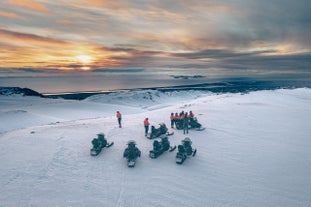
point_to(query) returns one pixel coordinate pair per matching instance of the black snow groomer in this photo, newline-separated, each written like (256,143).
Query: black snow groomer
(98,144)
(131,153)
(185,150)
(160,147)
(160,132)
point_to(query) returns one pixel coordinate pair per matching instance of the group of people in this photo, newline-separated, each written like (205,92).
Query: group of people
(181,120)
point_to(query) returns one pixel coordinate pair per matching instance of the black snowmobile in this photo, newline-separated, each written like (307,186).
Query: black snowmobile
(185,150)
(131,153)
(160,147)
(98,144)
(193,124)
(160,132)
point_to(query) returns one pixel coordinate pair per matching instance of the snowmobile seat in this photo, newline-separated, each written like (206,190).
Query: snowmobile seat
(165,143)
(156,145)
(163,128)
(95,143)
(181,149)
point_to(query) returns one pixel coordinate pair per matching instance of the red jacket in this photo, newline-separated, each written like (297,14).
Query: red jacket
(146,122)
(119,115)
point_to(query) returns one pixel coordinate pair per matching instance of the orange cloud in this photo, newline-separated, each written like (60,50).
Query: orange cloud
(30,4)
(102,3)
(64,22)
(10,15)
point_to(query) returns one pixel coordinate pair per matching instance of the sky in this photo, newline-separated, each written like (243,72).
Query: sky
(248,37)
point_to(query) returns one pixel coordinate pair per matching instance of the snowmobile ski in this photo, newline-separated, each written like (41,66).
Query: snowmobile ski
(179,160)
(109,145)
(152,154)
(131,163)
(200,129)
(172,148)
(94,152)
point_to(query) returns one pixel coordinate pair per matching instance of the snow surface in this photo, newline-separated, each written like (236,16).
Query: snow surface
(255,151)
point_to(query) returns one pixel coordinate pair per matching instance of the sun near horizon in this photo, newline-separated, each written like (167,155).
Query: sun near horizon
(85,59)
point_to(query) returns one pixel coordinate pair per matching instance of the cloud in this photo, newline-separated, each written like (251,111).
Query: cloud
(29,38)
(10,15)
(198,34)
(30,4)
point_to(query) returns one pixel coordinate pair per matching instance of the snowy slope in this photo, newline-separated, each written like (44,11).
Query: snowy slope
(254,152)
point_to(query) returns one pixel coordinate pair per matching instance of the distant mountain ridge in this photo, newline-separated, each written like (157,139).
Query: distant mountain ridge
(8,91)
(232,86)
(215,87)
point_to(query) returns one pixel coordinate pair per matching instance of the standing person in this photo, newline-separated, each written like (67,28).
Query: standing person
(146,124)
(186,123)
(119,117)
(172,118)
(177,121)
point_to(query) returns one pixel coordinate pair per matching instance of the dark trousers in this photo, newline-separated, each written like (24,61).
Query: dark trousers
(186,128)
(172,123)
(119,121)
(146,129)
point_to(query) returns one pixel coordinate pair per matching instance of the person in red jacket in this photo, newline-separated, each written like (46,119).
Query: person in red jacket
(119,117)
(146,124)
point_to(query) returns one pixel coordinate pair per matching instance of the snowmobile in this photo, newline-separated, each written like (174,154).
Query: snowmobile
(98,144)
(179,123)
(193,124)
(160,132)
(131,153)
(160,147)
(185,150)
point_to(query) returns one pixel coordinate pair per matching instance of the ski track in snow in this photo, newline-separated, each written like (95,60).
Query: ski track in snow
(255,151)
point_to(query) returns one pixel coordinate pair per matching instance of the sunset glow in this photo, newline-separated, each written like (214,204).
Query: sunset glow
(226,35)
(84,58)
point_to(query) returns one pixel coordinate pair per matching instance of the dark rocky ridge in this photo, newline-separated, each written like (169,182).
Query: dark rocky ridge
(7,91)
